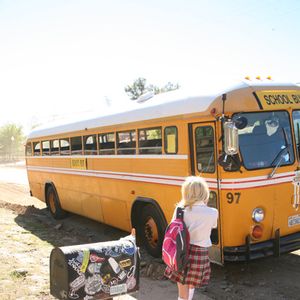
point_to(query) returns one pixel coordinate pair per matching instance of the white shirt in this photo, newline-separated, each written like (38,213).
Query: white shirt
(200,219)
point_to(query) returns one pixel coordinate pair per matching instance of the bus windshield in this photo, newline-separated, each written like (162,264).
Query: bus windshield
(266,140)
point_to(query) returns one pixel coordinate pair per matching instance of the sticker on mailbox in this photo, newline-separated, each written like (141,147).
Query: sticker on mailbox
(118,289)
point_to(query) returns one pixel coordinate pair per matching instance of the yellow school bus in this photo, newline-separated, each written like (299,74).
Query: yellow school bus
(125,169)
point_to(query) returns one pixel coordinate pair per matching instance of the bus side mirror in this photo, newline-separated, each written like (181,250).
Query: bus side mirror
(231,138)
(230,160)
(240,122)
(230,163)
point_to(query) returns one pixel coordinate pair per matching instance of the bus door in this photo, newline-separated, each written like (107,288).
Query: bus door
(203,152)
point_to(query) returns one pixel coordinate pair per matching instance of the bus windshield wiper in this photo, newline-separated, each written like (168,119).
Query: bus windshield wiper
(280,154)
(279,161)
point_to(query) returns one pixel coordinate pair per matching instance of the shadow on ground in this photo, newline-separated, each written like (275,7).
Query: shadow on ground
(72,230)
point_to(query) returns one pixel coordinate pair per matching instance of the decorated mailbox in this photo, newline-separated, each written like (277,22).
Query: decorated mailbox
(95,271)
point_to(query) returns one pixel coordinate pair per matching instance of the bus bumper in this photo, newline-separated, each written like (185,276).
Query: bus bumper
(273,247)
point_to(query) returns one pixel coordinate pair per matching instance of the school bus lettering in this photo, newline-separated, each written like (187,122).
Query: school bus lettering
(296,98)
(78,163)
(233,198)
(278,99)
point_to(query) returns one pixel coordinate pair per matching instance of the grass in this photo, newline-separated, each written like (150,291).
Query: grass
(23,271)
(17,274)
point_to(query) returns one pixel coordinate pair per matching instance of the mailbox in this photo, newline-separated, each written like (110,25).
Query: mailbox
(95,271)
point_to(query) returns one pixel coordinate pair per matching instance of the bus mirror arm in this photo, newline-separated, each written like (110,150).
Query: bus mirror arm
(224,97)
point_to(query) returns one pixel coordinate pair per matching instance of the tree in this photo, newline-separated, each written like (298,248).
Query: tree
(140,87)
(137,89)
(11,141)
(169,87)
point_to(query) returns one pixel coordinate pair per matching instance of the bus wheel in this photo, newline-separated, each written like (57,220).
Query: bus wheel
(53,204)
(151,230)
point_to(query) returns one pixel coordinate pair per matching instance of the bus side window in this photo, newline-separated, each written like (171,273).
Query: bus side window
(205,149)
(90,144)
(150,141)
(76,145)
(64,146)
(107,144)
(171,140)
(28,151)
(126,142)
(54,147)
(45,148)
(36,148)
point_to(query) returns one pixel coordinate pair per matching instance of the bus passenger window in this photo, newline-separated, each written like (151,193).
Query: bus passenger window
(46,148)
(90,145)
(205,149)
(150,141)
(36,149)
(64,146)
(171,140)
(126,142)
(76,145)
(107,144)
(28,150)
(54,147)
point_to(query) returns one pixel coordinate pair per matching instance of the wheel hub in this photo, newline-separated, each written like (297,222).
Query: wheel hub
(151,232)
(52,203)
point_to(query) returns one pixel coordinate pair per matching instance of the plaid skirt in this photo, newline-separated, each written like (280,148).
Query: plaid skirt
(198,269)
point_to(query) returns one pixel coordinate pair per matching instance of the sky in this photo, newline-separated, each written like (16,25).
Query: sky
(61,58)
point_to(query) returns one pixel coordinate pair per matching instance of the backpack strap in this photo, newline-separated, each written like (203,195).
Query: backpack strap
(179,213)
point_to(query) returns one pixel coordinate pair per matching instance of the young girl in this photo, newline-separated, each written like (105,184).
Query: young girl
(199,219)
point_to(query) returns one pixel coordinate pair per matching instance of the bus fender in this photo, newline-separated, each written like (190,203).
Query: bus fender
(47,184)
(137,206)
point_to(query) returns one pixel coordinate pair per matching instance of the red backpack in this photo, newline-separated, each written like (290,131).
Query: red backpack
(175,247)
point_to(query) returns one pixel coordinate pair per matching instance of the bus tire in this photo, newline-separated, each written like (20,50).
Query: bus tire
(151,230)
(53,204)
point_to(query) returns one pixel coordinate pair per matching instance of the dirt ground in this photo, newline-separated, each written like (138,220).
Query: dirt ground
(28,234)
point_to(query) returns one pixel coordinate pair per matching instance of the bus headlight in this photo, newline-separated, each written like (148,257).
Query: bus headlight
(258,214)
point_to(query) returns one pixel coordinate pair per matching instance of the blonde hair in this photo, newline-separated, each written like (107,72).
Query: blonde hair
(194,189)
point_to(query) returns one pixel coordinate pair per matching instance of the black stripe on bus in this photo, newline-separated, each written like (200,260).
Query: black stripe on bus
(258,101)
(191,144)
